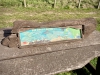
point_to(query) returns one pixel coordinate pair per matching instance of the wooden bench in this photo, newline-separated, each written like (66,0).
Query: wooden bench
(49,60)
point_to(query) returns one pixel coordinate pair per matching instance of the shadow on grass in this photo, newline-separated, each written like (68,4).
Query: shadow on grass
(82,71)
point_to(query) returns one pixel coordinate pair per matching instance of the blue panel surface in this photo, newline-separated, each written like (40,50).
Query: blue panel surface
(45,35)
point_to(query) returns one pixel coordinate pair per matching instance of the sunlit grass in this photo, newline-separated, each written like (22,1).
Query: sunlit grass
(9,15)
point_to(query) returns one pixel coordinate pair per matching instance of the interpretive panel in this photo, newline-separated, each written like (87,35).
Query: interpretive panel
(45,35)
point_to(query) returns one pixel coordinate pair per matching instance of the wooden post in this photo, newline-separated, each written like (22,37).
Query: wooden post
(61,3)
(90,68)
(24,3)
(99,5)
(55,1)
(98,67)
(79,4)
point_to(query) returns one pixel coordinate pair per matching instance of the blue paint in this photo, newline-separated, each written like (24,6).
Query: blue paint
(48,35)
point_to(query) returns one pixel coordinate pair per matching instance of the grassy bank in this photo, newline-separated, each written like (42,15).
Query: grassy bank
(51,3)
(9,14)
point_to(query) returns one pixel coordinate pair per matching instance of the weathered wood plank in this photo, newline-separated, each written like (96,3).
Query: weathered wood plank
(87,26)
(49,59)
(6,53)
(49,63)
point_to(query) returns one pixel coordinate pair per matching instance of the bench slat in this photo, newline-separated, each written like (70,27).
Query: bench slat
(6,53)
(48,59)
(49,63)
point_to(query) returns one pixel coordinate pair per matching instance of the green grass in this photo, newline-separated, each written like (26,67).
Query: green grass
(49,3)
(9,14)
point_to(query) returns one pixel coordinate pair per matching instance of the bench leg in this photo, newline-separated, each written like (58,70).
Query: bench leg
(90,68)
(98,67)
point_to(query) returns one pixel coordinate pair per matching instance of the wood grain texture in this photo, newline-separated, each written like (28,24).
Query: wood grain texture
(49,63)
(6,53)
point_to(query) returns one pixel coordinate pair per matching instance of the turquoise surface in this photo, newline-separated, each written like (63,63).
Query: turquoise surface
(45,35)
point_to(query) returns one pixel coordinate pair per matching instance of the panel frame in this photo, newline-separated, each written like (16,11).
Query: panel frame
(55,42)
